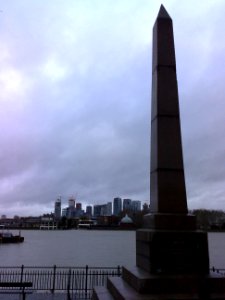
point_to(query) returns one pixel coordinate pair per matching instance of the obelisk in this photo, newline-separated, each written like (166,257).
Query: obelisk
(168,194)
(171,242)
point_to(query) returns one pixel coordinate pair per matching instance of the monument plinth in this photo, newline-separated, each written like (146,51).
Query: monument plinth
(172,260)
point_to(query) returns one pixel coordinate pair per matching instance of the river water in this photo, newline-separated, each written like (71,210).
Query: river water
(96,248)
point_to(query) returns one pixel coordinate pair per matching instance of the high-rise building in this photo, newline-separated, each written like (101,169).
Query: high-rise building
(65,212)
(89,210)
(109,209)
(127,205)
(136,205)
(97,210)
(71,202)
(57,212)
(79,212)
(117,206)
(78,206)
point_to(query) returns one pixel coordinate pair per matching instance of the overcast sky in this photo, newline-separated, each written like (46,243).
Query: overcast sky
(75,97)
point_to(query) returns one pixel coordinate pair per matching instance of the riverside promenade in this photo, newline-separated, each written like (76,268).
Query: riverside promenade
(53,283)
(39,296)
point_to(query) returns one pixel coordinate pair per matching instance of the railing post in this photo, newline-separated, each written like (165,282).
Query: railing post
(118,271)
(21,274)
(86,281)
(68,285)
(53,279)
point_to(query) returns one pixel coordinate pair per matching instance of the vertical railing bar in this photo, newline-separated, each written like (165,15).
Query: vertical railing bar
(68,285)
(21,275)
(86,279)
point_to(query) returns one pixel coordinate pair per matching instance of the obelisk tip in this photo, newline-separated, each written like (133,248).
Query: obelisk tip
(163,14)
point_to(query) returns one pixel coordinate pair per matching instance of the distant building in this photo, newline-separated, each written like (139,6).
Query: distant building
(126,223)
(57,212)
(78,206)
(136,205)
(103,209)
(117,206)
(89,211)
(109,209)
(97,210)
(71,202)
(79,211)
(145,207)
(71,212)
(65,212)
(127,205)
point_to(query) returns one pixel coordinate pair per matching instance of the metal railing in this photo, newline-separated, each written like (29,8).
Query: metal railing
(219,271)
(73,280)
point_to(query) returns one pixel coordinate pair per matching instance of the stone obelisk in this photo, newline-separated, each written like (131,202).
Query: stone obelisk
(168,194)
(171,244)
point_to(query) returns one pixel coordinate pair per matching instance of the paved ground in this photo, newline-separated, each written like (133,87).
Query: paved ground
(38,296)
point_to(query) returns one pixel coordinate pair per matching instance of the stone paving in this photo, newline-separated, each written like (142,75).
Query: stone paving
(38,296)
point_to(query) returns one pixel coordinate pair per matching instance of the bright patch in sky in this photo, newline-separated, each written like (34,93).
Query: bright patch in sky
(54,70)
(12,83)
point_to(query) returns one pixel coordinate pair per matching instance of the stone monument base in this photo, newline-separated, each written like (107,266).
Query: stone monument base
(137,284)
(170,221)
(172,252)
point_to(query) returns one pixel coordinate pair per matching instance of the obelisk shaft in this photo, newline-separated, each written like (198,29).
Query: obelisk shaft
(169,243)
(168,193)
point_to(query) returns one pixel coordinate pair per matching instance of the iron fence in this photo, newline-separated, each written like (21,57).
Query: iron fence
(219,271)
(73,280)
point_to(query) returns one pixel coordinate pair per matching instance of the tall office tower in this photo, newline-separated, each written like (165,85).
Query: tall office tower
(109,209)
(136,205)
(65,212)
(103,211)
(71,202)
(97,210)
(127,204)
(89,210)
(117,206)
(57,209)
(78,206)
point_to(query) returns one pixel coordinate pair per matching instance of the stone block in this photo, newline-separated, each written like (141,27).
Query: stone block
(163,39)
(170,221)
(168,193)
(166,150)
(165,101)
(101,293)
(120,290)
(173,252)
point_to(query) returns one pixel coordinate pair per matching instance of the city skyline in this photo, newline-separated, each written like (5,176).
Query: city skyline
(75,101)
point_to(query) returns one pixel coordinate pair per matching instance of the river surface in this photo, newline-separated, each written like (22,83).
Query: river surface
(96,248)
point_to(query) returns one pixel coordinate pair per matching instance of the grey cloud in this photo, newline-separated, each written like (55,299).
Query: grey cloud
(82,124)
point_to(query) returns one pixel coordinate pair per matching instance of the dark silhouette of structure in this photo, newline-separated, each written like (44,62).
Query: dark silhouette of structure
(172,260)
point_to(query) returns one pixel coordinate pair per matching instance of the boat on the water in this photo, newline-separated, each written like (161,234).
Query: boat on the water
(8,237)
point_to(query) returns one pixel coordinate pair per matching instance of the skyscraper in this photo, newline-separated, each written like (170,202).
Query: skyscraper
(136,205)
(89,210)
(71,208)
(109,209)
(127,205)
(117,206)
(71,202)
(57,209)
